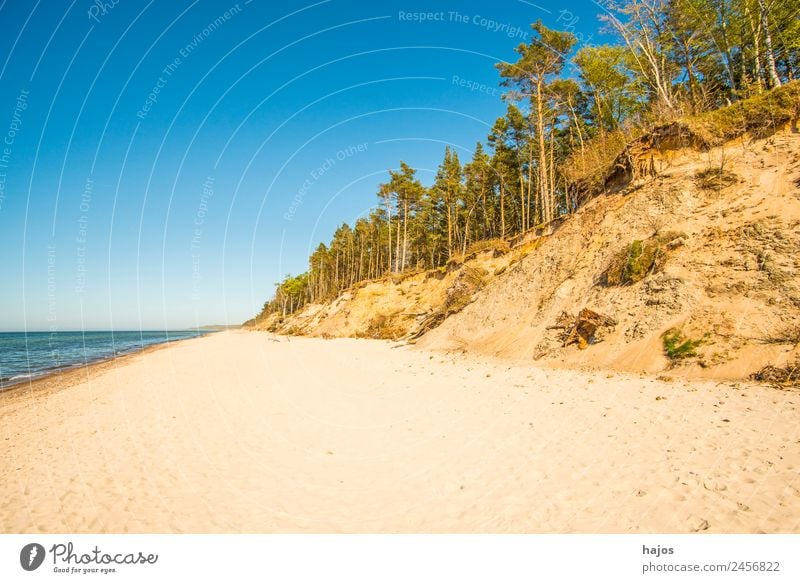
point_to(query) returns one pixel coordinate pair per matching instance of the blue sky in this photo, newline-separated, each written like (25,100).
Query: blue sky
(163,164)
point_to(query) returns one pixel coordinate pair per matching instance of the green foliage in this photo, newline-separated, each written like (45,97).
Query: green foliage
(290,295)
(678,347)
(545,55)
(639,259)
(632,264)
(613,92)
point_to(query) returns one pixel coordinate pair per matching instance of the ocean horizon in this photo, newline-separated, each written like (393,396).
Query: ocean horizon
(25,356)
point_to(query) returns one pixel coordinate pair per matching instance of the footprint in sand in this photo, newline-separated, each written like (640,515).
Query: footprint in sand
(714,486)
(697,524)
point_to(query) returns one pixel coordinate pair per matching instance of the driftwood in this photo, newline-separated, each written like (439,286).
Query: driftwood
(788,376)
(563,322)
(430,322)
(584,330)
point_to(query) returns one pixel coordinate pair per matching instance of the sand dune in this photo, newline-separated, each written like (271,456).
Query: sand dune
(245,432)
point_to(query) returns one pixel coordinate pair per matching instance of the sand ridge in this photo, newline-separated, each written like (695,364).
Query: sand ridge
(248,432)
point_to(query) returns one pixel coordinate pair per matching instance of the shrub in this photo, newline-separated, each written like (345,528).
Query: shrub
(715,178)
(639,259)
(632,263)
(677,346)
(466,284)
(385,327)
(787,334)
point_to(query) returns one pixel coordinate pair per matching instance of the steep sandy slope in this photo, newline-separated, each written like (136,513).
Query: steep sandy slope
(728,273)
(400,306)
(722,228)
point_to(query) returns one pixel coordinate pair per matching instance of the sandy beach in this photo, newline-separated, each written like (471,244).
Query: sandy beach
(247,432)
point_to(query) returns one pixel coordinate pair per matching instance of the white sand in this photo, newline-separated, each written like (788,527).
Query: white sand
(240,432)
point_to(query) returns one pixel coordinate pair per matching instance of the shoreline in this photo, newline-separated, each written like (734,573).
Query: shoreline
(58,380)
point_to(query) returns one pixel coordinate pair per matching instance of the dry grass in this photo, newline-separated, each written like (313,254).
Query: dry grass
(398,278)
(715,178)
(497,246)
(385,327)
(459,295)
(588,167)
(760,116)
(786,334)
(782,377)
(465,286)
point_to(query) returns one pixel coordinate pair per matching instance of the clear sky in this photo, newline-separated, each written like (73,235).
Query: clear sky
(163,164)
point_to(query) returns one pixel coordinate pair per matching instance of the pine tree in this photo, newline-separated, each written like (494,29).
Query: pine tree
(539,60)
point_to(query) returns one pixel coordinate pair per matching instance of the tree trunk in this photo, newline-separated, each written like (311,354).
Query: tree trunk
(552,172)
(726,50)
(756,32)
(770,56)
(502,211)
(449,228)
(486,231)
(691,76)
(466,230)
(597,103)
(543,181)
(641,44)
(530,183)
(522,202)
(405,233)
(389,226)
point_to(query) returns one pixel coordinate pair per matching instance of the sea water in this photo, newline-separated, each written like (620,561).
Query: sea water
(28,355)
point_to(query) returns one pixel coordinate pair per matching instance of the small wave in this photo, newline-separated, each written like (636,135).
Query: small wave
(8,382)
